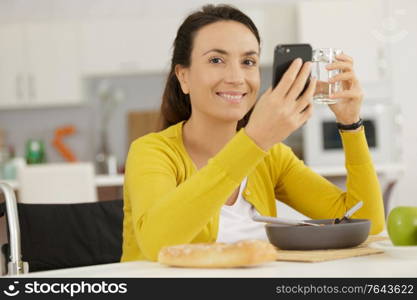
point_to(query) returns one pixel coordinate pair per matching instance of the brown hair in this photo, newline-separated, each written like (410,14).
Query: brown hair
(176,106)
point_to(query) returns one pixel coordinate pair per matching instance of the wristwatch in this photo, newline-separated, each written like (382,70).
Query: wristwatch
(350,126)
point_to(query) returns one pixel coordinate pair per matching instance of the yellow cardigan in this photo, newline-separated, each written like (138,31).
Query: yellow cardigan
(167,201)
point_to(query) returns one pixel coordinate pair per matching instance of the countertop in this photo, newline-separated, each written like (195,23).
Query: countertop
(327,171)
(100,180)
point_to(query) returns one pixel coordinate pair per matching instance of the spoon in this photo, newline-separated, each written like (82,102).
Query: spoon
(258,218)
(349,213)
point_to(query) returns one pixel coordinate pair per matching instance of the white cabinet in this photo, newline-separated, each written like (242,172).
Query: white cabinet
(121,46)
(53,64)
(350,25)
(110,46)
(11,65)
(43,63)
(39,64)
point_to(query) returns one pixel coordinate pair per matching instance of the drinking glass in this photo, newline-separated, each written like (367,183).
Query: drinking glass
(321,58)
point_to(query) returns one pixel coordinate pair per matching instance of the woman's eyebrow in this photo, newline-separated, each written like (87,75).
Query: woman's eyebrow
(221,51)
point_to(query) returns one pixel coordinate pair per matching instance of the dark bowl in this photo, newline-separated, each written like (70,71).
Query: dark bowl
(330,236)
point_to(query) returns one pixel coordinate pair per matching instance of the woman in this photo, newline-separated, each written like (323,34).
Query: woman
(220,155)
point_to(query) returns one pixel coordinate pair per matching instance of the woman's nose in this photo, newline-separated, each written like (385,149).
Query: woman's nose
(234,74)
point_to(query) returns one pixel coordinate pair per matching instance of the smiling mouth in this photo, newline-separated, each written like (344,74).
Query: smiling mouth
(232,97)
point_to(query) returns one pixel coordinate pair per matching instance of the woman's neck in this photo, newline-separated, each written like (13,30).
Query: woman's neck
(207,137)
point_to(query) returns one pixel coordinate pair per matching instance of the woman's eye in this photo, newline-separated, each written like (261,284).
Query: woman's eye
(249,62)
(215,60)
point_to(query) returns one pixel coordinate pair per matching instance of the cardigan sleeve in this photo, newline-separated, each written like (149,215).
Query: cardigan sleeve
(314,196)
(164,213)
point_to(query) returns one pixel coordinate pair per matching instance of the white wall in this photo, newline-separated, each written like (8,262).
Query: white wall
(401,33)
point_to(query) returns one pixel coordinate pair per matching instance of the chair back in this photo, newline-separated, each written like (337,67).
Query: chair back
(60,183)
(56,236)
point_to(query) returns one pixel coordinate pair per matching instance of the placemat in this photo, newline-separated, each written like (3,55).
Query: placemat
(331,254)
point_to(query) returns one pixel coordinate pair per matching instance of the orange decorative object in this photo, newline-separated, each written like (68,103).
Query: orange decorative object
(60,146)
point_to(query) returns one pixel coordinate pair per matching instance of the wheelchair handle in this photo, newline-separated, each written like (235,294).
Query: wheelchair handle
(16,266)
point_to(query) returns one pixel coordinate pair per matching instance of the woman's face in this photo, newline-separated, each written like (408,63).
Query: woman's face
(223,78)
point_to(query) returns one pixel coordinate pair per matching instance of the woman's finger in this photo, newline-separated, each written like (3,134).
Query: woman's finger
(344,57)
(347,94)
(300,82)
(340,65)
(344,76)
(287,79)
(306,113)
(306,97)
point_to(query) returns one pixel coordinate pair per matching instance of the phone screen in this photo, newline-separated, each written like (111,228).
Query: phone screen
(284,55)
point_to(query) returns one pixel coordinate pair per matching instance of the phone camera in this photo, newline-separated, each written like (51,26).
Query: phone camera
(284,50)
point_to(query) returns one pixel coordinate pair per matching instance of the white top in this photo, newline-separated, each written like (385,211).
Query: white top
(236,223)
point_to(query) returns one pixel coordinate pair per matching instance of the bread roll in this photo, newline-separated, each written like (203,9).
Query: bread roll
(218,255)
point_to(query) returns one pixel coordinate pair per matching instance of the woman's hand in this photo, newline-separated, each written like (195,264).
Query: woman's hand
(347,110)
(282,110)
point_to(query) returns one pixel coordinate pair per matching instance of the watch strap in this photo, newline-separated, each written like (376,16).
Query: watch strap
(350,126)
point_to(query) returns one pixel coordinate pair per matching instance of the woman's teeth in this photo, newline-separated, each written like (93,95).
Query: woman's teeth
(234,98)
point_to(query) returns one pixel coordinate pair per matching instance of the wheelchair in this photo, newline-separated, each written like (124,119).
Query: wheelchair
(45,237)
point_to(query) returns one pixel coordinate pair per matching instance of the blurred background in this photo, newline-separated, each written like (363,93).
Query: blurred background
(79,80)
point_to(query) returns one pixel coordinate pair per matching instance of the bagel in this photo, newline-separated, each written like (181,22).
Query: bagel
(218,255)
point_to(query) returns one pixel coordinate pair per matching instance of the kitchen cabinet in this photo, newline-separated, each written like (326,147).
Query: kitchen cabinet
(53,63)
(39,64)
(120,46)
(354,26)
(11,65)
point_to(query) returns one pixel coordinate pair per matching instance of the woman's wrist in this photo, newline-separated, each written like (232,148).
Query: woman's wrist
(347,120)
(257,139)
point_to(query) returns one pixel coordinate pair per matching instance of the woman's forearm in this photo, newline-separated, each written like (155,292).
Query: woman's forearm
(362,181)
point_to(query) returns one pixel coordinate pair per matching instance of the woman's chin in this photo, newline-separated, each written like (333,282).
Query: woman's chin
(232,118)
(228,115)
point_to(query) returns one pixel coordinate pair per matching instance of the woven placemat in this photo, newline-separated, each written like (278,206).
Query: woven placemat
(331,254)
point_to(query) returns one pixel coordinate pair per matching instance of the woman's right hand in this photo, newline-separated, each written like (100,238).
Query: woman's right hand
(282,110)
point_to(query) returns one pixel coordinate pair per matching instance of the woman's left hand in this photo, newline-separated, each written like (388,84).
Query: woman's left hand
(347,110)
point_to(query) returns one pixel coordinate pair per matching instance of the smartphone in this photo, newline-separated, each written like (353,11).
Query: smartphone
(284,55)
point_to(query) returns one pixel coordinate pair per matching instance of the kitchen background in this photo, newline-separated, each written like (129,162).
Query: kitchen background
(73,62)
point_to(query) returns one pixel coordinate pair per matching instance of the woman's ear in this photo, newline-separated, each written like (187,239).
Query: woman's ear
(182,75)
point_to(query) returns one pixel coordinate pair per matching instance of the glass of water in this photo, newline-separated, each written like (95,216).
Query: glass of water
(321,58)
